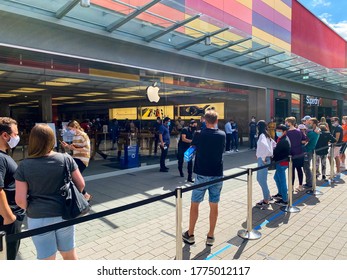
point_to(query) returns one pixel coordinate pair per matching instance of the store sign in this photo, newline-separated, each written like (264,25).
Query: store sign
(151,113)
(195,111)
(123,113)
(312,101)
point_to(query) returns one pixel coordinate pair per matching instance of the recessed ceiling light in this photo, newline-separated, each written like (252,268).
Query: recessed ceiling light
(27,89)
(63,98)
(91,94)
(98,100)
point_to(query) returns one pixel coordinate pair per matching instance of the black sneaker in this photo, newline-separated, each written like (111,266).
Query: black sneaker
(262,204)
(190,179)
(163,170)
(281,202)
(210,241)
(189,239)
(307,186)
(324,178)
(277,196)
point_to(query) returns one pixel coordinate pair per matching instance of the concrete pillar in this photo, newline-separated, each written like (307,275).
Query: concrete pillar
(46,108)
(257,104)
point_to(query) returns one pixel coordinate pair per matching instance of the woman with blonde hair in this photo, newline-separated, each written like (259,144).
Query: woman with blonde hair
(38,181)
(80,148)
(323,121)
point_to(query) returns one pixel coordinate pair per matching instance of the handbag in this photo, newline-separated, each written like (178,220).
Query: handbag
(75,204)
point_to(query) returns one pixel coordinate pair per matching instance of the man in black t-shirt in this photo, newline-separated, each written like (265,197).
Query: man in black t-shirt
(186,138)
(208,166)
(337,132)
(11,215)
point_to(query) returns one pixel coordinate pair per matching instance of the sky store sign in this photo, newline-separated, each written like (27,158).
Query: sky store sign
(312,101)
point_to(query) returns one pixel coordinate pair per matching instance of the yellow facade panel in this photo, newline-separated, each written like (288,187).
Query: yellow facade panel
(280,7)
(270,39)
(247,3)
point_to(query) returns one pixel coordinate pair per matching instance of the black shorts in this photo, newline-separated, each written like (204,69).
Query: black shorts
(343,148)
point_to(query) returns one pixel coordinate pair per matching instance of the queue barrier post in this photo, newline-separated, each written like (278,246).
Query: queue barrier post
(332,173)
(290,208)
(314,191)
(249,233)
(179,249)
(3,250)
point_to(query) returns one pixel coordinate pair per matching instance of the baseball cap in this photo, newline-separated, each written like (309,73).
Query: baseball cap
(302,126)
(306,118)
(192,122)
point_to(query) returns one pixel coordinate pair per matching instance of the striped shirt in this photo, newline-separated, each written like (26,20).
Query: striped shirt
(81,140)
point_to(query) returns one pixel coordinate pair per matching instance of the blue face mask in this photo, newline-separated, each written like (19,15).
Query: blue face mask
(168,124)
(279,134)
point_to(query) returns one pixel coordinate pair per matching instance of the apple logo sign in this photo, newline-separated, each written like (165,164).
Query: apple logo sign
(153,93)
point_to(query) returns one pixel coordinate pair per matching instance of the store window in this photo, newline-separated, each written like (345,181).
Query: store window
(295,112)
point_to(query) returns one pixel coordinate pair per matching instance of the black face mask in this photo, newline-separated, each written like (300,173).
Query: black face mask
(192,128)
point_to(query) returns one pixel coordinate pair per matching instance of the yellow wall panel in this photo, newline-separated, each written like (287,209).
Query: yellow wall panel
(247,3)
(270,39)
(200,25)
(112,74)
(280,7)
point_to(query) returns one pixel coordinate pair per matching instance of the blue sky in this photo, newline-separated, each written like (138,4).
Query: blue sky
(332,12)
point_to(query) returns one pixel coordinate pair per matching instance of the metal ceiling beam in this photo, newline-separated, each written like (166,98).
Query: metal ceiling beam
(160,33)
(233,56)
(234,43)
(200,39)
(278,62)
(259,59)
(113,26)
(286,67)
(66,8)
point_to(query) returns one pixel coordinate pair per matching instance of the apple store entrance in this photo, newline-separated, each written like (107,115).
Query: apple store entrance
(105,98)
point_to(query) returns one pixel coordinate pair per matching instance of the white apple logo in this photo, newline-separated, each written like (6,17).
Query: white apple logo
(153,93)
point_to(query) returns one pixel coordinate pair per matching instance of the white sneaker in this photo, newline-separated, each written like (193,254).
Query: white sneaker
(228,152)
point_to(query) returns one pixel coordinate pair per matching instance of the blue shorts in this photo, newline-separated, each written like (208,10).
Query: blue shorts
(47,244)
(213,190)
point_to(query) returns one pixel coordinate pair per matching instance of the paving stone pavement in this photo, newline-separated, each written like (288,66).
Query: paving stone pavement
(317,232)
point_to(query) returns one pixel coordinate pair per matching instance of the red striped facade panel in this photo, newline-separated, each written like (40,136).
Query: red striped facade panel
(314,40)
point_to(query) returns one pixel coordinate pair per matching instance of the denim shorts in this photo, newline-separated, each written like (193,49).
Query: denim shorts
(213,190)
(47,244)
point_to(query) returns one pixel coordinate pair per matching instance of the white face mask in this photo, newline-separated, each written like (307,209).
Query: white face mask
(13,141)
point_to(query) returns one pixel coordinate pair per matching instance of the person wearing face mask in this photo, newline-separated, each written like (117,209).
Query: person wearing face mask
(164,142)
(11,215)
(186,137)
(312,137)
(281,152)
(344,145)
(337,132)
(252,134)
(80,148)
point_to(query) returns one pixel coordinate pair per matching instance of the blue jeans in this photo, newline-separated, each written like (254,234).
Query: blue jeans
(281,182)
(213,190)
(252,140)
(262,178)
